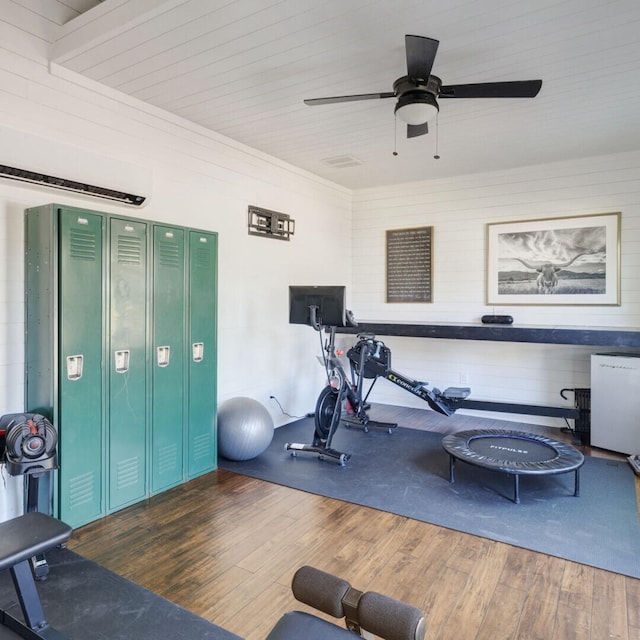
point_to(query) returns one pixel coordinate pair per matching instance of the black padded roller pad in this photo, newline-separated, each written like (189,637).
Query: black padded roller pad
(320,590)
(30,535)
(389,618)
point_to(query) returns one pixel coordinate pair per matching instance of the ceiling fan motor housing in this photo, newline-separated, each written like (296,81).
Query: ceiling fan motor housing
(416,92)
(407,85)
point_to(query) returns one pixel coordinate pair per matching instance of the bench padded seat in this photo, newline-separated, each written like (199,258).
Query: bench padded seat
(297,624)
(30,535)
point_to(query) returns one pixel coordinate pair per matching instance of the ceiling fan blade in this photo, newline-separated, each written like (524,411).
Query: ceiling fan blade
(415,130)
(517,89)
(421,52)
(362,96)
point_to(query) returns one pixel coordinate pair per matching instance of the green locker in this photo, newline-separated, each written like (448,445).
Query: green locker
(201,410)
(64,327)
(127,393)
(64,348)
(81,381)
(168,379)
(120,354)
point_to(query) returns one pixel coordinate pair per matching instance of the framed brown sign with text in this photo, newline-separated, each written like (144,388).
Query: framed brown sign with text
(409,264)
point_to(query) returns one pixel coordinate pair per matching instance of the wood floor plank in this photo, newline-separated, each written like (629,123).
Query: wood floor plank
(572,624)
(480,587)
(447,591)
(502,614)
(609,615)
(537,621)
(632,588)
(576,590)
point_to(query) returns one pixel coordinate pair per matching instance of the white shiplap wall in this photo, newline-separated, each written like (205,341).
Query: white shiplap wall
(205,180)
(459,209)
(198,179)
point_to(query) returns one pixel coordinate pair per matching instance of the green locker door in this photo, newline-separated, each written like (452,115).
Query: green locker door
(168,357)
(127,393)
(81,386)
(201,354)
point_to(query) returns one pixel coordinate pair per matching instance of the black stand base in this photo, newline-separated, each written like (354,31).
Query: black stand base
(322,452)
(370,424)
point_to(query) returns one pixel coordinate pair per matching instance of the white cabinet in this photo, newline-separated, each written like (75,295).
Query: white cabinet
(615,402)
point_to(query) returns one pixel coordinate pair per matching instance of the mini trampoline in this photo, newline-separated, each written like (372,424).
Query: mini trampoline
(513,452)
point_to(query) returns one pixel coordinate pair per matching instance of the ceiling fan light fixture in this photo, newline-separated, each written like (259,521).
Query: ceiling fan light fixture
(417,109)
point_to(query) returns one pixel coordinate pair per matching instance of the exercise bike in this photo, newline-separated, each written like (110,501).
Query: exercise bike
(344,400)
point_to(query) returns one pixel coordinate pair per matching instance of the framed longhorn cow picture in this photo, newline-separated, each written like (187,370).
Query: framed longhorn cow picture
(555,261)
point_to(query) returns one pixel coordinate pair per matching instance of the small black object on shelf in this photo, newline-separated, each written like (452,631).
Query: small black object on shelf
(497,319)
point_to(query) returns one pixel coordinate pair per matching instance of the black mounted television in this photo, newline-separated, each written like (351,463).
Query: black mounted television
(318,306)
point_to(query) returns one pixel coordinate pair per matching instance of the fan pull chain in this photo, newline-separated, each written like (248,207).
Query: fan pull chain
(436,156)
(395,134)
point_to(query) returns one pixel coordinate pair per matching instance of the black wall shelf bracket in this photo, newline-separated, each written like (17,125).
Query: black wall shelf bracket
(270,224)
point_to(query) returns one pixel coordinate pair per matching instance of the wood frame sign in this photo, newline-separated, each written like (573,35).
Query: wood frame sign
(409,264)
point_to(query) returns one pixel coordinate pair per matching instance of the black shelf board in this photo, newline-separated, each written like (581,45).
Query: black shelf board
(602,337)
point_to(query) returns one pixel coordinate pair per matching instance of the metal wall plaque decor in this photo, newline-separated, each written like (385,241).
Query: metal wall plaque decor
(555,261)
(409,264)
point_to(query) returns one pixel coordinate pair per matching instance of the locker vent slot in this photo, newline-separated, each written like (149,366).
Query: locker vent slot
(127,472)
(202,258)
(170,254)
(81,490)
(167,459)
(129,250)
(202,447)
(82,245)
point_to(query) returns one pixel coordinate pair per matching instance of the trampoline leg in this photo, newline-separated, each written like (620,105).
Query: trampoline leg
(577,487)
(452,464)
(516,488)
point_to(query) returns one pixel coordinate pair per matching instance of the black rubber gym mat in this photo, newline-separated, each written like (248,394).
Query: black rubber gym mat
(87,602)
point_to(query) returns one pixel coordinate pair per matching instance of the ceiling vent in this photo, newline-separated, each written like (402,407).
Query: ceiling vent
(342,162)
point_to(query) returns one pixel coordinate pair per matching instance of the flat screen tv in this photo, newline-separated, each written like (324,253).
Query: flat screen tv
(328,302)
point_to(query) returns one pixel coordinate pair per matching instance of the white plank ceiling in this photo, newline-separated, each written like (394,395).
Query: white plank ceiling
(243,67)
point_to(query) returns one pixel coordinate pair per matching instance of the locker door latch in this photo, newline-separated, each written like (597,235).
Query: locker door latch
(163,355)
(74,367)
(197,349)
(122,361)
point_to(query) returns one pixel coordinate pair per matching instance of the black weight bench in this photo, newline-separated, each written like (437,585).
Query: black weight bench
(21,539)
(368,611)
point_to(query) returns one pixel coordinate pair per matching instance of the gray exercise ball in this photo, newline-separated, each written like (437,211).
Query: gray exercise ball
(245,429)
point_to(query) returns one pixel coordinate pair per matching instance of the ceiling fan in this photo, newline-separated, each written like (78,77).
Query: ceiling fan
(417,93)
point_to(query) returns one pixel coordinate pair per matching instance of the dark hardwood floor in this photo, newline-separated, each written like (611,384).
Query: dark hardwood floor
(226,546)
